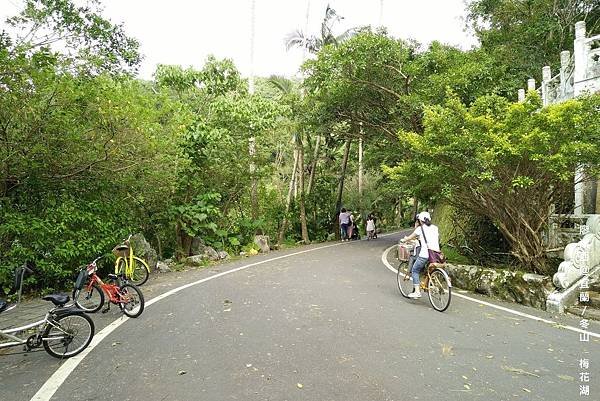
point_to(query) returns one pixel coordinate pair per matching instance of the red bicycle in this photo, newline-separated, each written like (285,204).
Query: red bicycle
(90,290)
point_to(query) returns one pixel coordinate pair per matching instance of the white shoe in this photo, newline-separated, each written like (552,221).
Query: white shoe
(415,295)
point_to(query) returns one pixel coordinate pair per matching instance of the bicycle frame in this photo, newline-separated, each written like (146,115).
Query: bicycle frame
(111,290)
(40,325)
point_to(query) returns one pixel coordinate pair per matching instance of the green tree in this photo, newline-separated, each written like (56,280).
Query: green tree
(507,162)
(524,36)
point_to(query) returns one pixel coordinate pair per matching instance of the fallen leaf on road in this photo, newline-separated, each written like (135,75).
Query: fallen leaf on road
(467,387)
(248,365)
(181,372)
(519,370)
(567,378)
(465,377)
(489,356)
(447,350)
(524,389)
(115,343)
(299,385)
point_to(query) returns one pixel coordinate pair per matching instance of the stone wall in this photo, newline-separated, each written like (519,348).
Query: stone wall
(524,288)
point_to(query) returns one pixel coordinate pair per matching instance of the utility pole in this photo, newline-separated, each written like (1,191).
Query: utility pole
(252,140)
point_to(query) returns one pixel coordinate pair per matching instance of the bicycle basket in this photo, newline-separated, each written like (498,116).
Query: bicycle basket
(82,278)
(404,251)
(121,251)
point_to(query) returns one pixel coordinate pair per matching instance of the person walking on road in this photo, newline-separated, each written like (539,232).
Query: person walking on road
(350,224)
(428,236)
(344,220)
(370,227)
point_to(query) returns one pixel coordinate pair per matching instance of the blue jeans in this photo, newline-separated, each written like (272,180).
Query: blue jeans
(344,231)
(417,267)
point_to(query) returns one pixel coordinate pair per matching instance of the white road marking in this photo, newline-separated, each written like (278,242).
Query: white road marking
(46,392)
(491,305)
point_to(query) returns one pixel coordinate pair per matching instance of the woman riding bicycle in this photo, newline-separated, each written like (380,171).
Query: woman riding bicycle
(428,236)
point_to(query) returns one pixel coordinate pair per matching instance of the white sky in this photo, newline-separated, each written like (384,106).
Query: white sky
(185,32)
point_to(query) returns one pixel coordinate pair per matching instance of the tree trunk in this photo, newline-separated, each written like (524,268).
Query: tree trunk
(360,168)
(254,194)
(184,242)
(338,202)
(158,245)
(313,166)
(300,173)
(415,208)
(288,201)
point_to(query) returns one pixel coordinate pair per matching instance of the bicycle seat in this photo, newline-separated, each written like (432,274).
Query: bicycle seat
(121,247)
(57,299)
(3,305)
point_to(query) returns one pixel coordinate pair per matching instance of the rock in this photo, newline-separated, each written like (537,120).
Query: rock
(262,241)
(210,253)
(196,260)
(223,255)
(524,288)
(162,267)
(197,247)
(143,249)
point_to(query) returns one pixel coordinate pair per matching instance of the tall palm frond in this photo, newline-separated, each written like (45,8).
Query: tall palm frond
(313,43)
(283,84)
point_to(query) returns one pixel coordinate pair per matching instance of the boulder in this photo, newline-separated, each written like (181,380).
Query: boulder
(143,249)
(223,255)
(196,260)
(162,267)
(262,241)
(211,254)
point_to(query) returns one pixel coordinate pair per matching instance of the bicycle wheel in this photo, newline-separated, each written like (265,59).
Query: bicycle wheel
(403,279)
(70,334)
(131,300)
(439,290)
(121,267)
(89,300)
(140,272)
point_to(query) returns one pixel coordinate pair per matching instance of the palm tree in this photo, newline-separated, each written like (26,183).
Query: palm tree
(315,43)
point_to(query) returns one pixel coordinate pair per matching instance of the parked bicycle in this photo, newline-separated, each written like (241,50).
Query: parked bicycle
(64,332)
(436,282)
(90,292)
(135,269)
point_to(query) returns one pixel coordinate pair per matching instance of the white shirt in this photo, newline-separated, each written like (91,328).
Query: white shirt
(433,239)
(370,225)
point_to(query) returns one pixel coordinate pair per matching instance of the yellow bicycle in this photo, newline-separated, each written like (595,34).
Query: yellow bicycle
(127,264)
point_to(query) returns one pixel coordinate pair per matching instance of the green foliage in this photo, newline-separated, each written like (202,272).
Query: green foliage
(197,217)
(78,33)
(66,233)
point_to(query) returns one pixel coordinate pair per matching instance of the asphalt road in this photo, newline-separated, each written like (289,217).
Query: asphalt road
(328,324)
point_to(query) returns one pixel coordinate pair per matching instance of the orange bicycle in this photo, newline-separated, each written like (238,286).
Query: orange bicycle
(90,290)
(436,281)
